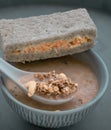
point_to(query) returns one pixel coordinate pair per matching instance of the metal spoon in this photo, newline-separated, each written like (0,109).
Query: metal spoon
(16,74)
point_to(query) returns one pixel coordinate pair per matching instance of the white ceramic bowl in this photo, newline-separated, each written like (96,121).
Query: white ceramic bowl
(51,119)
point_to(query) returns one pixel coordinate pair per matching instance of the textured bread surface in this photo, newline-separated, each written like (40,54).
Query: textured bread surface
(47,36)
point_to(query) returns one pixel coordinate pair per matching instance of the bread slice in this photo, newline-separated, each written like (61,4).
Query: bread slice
(47,36)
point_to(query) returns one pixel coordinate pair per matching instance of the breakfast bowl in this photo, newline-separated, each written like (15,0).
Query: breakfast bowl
(56,119)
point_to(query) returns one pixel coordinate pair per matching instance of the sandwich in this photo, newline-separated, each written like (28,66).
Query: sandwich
(47,36)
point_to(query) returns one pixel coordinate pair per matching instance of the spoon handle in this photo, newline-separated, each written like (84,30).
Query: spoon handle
(7,69)
(12,73)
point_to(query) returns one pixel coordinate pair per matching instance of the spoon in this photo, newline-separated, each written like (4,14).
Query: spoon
(16,74)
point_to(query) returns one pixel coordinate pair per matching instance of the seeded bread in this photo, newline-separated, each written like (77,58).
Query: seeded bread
(47,36)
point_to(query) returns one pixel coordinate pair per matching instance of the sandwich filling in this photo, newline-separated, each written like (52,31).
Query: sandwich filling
(55,45)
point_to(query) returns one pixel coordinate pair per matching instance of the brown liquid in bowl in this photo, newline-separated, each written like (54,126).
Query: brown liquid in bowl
(78,71)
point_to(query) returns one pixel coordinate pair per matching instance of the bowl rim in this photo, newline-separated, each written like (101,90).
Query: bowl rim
(85,106)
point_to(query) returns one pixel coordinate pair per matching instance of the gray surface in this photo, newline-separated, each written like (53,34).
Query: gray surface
(100,118)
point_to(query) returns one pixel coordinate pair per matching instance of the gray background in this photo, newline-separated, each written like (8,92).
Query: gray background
(100,11)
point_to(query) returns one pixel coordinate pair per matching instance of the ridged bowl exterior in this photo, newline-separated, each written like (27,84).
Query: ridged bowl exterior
(47,119)
(58,119)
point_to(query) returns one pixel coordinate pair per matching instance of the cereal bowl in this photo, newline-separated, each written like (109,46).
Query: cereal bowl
(45,118)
